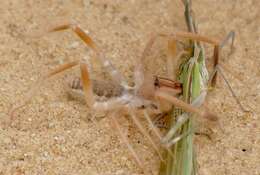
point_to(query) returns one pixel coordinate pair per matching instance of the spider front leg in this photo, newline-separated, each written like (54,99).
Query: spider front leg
(115,75)
(161,94)
(173,38)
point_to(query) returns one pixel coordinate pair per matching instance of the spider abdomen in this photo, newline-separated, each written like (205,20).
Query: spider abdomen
(100,88)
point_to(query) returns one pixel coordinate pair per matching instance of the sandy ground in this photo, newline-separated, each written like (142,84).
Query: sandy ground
(54,134)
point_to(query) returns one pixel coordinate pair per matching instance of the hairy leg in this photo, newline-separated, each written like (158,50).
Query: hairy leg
(155,130)
(173,38)
(116,76)
(185,106)
(144,132)
(124,138)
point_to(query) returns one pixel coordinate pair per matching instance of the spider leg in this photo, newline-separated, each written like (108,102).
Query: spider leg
(179,123)
(151,124)
(35,88)
(171,90)
(173,38)
(87,85)
(172,53)
(143,78)
(129,146)
(144,132)
(113,103)
(155,130)
(185,106)
(116,76)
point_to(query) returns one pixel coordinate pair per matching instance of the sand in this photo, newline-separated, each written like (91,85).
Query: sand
(54,134)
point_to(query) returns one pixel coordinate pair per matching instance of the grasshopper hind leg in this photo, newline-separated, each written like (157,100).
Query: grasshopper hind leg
(230,36)
(221,72)
(218,68)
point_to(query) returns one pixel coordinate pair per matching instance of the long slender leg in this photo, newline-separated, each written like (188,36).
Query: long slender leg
(152,126)
(87,85)
(230,35)
(228,70)
(197,37)
(129,146)
(143,77)
(172,38)
(177,138)
(185,106)
(172,47)
(116,76)
(180,120)
(193,36)
(35,88)
(113,103)
(154,129)
(175,37)
(144,132)
(171,56)
(217,49)
(218,69)
(192,28)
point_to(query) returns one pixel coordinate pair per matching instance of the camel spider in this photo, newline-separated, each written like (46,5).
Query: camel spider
(149,94)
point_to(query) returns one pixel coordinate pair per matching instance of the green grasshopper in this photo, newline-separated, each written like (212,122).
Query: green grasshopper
(195,79)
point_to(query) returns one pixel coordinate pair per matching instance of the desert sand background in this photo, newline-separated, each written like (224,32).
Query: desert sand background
(54,135)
